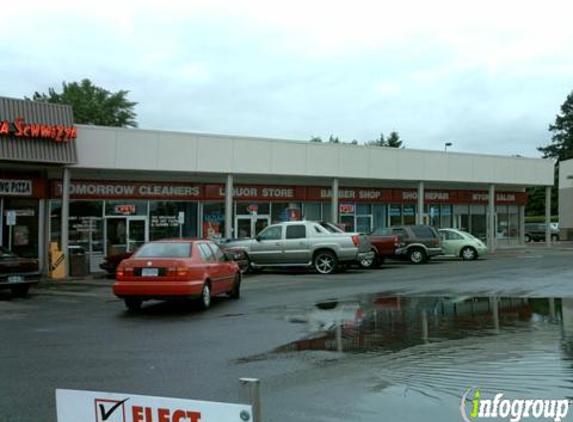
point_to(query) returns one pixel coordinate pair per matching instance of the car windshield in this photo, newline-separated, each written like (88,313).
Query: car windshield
(164,250)
(6,254)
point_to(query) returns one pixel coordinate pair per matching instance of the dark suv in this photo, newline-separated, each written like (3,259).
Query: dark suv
(536,232)
(417,243)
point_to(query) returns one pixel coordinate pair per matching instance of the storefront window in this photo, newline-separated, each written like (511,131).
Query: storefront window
(395,212)
(379,216)
(446,216)
(213,220)
(86,225)
(327,212)
(311,212)
(478,222)
(21,238)
(409,212)
(285,212)
(433,212)
(164,220)
(462,217)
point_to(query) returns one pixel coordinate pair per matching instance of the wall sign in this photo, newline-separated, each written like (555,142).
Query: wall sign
(20,129)
(15,187)
(259,193)
(80,189)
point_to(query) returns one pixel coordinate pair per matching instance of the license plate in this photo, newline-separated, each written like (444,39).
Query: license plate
(149,272)
(15,279)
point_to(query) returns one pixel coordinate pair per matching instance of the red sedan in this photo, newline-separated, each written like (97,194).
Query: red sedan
(173,269)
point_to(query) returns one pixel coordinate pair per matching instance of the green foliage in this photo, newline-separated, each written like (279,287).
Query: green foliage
(315,139)
(536,202)
(394,140)
(333,139)
(93,105)
(561,146)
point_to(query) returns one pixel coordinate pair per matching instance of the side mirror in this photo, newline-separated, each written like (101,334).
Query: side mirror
(258,238)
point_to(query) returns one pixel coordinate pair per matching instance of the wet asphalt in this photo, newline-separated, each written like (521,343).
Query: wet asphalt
(397,343)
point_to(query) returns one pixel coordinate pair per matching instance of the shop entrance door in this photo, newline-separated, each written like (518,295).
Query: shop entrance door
(250,226)
(125,234)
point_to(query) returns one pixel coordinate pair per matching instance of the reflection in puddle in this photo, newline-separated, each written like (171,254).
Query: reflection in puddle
(434,345)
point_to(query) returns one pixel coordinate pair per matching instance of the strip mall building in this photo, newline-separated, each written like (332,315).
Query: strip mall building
(110,189)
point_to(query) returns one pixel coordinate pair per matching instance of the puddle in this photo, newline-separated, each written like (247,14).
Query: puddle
(439,347)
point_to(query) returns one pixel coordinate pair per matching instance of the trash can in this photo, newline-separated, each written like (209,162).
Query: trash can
(78,263)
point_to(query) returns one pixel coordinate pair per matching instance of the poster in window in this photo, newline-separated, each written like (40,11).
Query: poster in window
(21,236)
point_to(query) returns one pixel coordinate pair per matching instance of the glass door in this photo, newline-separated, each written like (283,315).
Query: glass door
(250,226)
(125,234)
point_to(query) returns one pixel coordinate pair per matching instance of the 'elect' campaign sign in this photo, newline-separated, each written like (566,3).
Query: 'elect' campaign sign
(93,406)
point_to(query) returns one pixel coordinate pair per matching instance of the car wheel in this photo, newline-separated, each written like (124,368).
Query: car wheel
(417,256)
(468,253)
(236,292)
(554,238)
(205,299)
(370,263)
(527,238)
(325,262)
(132,303)
(20,291)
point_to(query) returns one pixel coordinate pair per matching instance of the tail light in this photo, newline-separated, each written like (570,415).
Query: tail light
(179,271)
(437,242)
(396,241)
(356,240)
(123,271)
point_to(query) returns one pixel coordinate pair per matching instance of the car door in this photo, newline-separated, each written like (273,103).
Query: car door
(267,248)
(224,270)
(451,242)
(295,244)
(210,266)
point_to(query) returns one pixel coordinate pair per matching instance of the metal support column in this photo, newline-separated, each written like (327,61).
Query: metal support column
(65,218)
(548,216)
(522,224)
(229,207)
(420,210)
(334,202)
(491,229)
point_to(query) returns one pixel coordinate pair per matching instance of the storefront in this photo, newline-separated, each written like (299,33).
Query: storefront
(128,186)
(34,137)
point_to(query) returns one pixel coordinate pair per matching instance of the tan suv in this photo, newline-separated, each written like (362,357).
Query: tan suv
(418,243)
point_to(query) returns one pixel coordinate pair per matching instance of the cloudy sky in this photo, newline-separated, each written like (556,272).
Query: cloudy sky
(488,77)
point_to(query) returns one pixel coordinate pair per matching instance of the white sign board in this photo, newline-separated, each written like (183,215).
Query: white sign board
(11,218)
(93,406)
(181,217)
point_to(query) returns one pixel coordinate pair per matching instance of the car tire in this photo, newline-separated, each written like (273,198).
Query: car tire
(527,238)
(468,253)
(133,304)
(324,262)
(205,299)
(370,263)
(417,256)
(20,291)
(236,292)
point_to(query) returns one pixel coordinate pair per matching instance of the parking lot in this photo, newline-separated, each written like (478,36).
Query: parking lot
(349,346)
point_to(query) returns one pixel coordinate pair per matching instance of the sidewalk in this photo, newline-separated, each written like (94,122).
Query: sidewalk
(534,247)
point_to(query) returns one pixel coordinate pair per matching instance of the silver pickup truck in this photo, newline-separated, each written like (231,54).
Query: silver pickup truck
(302,243)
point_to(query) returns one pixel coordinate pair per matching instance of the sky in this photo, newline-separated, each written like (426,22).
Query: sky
(487,76)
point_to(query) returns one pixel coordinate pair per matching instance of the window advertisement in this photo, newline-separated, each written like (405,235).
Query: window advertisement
(395,213)
(246,208)
(433,213)
(213,220)
(409,212)
(165,221)
(22,236)
(125,208)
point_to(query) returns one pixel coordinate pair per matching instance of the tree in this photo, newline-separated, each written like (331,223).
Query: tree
(93,105)
(561,146)
(394,140)
(315,139)
(333,139)
(380,142)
